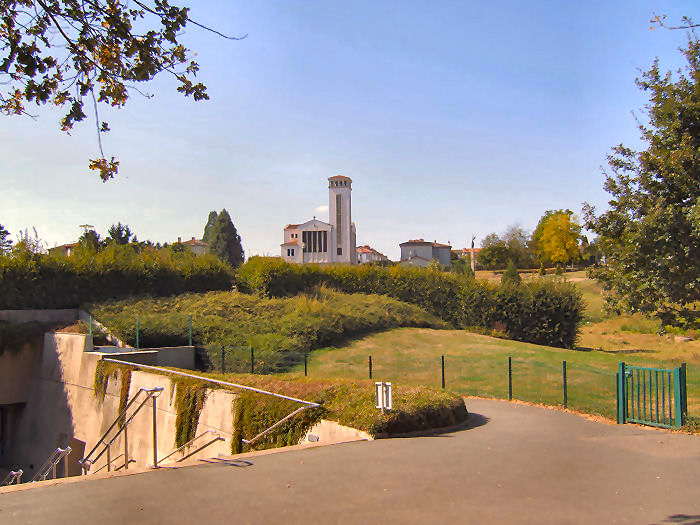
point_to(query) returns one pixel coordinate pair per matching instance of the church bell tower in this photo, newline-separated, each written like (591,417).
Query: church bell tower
(340,217)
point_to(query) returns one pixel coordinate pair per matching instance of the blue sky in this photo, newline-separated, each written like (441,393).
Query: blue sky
(452,119)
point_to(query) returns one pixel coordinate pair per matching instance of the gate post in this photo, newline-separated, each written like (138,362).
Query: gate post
(621,394)
(677,398)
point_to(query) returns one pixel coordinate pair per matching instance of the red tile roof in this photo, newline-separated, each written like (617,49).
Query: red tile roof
(288,243)
(340,177)
(195,242)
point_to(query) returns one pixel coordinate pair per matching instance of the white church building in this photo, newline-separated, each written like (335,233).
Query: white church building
(320,242)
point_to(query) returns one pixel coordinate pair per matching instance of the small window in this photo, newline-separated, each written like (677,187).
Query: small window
(287,252)
(292,252)
(340,251)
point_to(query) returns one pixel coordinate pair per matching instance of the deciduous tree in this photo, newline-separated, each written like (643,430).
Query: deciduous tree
(559,239)
(650,236)
(59,52)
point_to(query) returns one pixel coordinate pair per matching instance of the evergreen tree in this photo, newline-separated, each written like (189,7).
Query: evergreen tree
(120,234)
(511,275)
(5,242)
(206,237)
(90,239)
(224,241)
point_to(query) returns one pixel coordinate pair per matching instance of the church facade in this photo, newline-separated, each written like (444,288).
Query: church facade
(316,241)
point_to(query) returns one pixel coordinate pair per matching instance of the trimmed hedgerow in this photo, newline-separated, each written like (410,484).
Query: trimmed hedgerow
(30,280)
(535,312)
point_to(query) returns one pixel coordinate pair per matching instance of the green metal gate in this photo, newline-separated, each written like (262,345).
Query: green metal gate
(652,396)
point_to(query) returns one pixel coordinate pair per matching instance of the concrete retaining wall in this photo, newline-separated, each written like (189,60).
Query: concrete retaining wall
(61,409)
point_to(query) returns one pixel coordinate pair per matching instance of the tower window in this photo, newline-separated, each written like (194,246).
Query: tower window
(340,251)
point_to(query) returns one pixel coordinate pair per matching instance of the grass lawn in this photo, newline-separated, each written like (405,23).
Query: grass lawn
(478,365)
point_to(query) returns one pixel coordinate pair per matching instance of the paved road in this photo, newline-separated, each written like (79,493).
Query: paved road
(515,464)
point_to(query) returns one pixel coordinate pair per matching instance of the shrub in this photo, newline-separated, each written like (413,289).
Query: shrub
(539,312)
(30,280)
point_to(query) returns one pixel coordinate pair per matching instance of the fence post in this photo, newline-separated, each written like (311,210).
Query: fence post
(563,371)
(370,367)
(443,371)
(621,394)
(190,338)
(306,363)
(137,332)
(223,359)
(684,395)
(510,380)
(252,360)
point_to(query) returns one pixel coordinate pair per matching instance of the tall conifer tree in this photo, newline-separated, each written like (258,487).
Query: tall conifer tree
(224,241)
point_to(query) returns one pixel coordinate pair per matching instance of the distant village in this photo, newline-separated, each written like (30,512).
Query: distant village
(315,241)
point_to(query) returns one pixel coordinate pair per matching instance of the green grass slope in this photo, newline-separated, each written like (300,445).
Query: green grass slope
(478,365)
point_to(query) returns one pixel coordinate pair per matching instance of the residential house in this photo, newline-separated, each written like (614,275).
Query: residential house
(420,252)
(367,254)
(196,246)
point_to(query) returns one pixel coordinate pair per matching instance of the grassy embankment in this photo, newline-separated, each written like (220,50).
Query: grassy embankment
(280,330)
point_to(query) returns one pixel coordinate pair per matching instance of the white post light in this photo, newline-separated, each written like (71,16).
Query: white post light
(383,395)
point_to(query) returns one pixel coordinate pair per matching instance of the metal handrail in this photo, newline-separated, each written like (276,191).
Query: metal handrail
(210,380)
(189,443)
(13,477)
(87,461)
(307,404)
(49,465)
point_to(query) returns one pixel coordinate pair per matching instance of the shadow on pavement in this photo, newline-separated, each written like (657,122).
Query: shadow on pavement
(240,463)
(475,420)
(685,519)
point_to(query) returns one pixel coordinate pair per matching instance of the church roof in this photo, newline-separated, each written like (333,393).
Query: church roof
(291,226)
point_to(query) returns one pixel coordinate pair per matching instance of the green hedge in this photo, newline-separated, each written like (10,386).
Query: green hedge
(537,312)
(29,280)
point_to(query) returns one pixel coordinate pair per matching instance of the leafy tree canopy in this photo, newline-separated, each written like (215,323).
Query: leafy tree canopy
(59,52)
(651,234)
(559,238)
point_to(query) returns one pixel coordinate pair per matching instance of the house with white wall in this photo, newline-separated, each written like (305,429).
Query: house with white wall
(316,241)
(367,254)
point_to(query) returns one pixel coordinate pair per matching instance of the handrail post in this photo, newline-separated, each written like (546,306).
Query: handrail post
(126,448)
(155,437)
(109,460)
